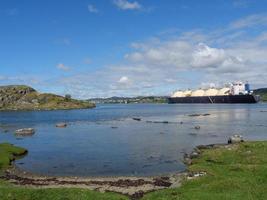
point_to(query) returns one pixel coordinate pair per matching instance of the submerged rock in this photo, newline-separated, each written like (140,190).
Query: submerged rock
(197,127)
(61,125)
(194,115)
(25,132)
(136,119)
(235,139)
(198,115)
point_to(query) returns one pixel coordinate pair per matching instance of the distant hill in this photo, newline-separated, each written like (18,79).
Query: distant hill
(262,92)
(140,99)
(21,97)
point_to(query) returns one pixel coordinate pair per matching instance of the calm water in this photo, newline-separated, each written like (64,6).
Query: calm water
(106,141)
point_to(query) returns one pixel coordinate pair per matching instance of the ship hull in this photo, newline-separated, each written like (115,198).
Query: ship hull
(216,99)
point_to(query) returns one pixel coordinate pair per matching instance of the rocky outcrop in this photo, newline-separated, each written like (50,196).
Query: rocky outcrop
(21,97)
(61,125)
(235,139)
(25,132)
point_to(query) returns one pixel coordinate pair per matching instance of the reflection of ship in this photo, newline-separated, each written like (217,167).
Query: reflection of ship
(233,93)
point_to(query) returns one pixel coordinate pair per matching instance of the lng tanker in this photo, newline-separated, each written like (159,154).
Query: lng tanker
(236,92)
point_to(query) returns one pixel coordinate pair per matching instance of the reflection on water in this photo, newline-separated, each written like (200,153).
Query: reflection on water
(106,141)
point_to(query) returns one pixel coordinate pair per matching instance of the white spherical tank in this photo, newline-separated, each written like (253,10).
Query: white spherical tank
(224,91)
(211,92)
(178,94)
(198,93)
(187,93)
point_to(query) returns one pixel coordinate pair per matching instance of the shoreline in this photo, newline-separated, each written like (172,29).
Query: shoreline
(127,185)
(132,186)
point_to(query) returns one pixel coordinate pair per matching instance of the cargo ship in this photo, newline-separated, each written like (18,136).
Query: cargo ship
(236,92)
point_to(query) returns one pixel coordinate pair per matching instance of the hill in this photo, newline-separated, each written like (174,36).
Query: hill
(140,99)
(21,97)
(262,92)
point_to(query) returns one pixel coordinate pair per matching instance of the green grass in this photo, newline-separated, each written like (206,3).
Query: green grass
(8,153)
(237,174)
(9,192)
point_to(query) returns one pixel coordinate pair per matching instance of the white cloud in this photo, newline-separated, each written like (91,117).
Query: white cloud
(124,80)
(250,21)
(92,9)
(63,67)
(127,5)
(205,56)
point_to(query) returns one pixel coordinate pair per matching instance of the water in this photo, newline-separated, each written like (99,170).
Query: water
(106,141)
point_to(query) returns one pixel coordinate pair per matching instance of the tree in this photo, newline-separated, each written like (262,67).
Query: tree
(67,97)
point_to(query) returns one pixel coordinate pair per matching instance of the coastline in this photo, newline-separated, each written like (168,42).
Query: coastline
(132,186)
(209,172)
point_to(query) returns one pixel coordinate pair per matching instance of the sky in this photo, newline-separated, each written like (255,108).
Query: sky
(104,48)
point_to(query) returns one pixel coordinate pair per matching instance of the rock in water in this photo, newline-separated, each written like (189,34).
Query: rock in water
(136,119)
(25,132)
(235,139)
(61,125)
(197,127)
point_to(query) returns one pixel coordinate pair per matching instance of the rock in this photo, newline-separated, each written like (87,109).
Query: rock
(25,132)
(161,182)
(200,147)
(197,127)
(193,175)
(198,115)
(194,115)
(61,125)
(137,195)
(235,139)
(136,119)
(194,155)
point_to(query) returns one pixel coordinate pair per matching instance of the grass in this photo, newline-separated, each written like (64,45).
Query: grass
(8,153)
(236,173)
(8,192)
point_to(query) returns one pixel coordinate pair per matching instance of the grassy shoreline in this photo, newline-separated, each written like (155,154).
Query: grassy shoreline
(236,171)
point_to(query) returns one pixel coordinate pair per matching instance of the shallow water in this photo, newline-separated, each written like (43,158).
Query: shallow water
(106,141)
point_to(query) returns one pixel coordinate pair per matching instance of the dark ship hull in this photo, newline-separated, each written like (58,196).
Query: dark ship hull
(216,99)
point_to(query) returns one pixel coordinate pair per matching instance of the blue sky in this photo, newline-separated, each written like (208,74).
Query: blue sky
(103,48)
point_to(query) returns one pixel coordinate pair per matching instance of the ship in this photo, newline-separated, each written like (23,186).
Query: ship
(233,93)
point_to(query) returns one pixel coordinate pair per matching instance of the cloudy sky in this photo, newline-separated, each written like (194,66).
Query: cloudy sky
(103,48)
